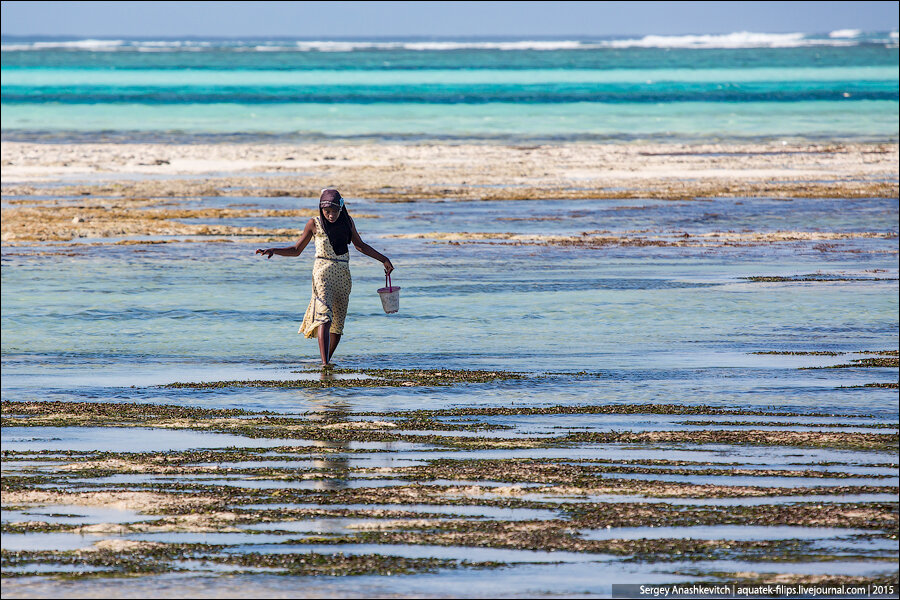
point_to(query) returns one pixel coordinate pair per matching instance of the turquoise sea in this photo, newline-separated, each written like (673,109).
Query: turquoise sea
(838,85)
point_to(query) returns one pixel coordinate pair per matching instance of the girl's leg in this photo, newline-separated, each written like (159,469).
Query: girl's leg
(324,339)
(335,340)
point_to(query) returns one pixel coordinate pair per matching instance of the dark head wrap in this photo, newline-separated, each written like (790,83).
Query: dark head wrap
(338,232)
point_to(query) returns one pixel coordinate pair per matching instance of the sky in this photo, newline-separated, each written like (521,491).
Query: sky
(326,20)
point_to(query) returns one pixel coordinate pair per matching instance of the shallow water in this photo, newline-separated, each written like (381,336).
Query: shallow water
(316,526)
(654,326)
(74,514)
(127,439)
(541,290)
(481,512)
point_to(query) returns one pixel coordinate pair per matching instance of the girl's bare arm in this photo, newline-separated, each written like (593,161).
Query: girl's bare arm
(297,248)
(369,250)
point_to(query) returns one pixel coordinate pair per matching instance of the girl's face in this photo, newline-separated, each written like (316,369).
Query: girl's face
(331,214)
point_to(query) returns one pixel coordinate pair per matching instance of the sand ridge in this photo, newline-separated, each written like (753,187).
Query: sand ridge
(464,171)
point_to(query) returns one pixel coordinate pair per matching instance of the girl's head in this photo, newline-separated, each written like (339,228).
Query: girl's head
(335,219)
(331,204)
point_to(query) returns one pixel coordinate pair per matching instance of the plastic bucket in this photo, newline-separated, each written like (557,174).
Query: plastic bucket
(390,296)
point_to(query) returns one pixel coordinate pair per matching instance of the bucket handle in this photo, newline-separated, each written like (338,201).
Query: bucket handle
(387,281)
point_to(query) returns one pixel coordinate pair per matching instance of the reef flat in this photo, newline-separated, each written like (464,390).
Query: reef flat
(64,193)
(356,493)
(612,362)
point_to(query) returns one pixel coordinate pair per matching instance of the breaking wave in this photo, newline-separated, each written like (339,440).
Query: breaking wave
(741,39)
(736,40)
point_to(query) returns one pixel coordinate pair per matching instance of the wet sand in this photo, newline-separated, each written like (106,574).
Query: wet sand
(470,171)
(117,190)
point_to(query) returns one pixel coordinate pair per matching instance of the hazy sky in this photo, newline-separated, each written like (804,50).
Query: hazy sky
(376,19)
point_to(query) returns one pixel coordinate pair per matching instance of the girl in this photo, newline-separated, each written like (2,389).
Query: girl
(333,230)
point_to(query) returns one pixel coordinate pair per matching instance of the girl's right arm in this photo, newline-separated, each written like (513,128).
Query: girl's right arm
(297,248)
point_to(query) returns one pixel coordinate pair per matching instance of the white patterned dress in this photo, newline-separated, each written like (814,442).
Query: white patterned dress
(331,285)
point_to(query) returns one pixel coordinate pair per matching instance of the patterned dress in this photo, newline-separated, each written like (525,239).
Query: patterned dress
(330,287)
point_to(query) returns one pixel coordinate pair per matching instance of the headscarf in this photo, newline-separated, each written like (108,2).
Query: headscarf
(338,232)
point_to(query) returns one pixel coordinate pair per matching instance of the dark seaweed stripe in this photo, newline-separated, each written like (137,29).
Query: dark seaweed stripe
(398,59)
(434,97)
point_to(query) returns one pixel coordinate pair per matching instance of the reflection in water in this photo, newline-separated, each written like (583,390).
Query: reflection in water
(331,462)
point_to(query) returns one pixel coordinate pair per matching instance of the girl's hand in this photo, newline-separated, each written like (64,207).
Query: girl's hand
(388,267)
(268,252)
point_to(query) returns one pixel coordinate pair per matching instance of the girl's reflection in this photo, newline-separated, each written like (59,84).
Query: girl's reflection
(331,461)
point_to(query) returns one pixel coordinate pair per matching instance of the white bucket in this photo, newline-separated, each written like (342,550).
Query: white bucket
(390,296)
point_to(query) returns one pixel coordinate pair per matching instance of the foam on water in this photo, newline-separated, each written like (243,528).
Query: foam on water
(739,39)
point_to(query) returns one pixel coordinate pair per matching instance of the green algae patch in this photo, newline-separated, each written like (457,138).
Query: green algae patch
(141,558)
(346,565)
(881,358)
(821,277)
(796,353)
(584,475)
(553,536)
(35,527)
(118,410)
(470,494)
(414,426)
(881,517)
(864,363)
(699,423)
(94,414)
(750,579)
(373,378)
(888,385)
(805,439)
(602,409)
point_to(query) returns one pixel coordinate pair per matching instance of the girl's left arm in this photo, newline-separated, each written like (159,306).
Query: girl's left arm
(369,250)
